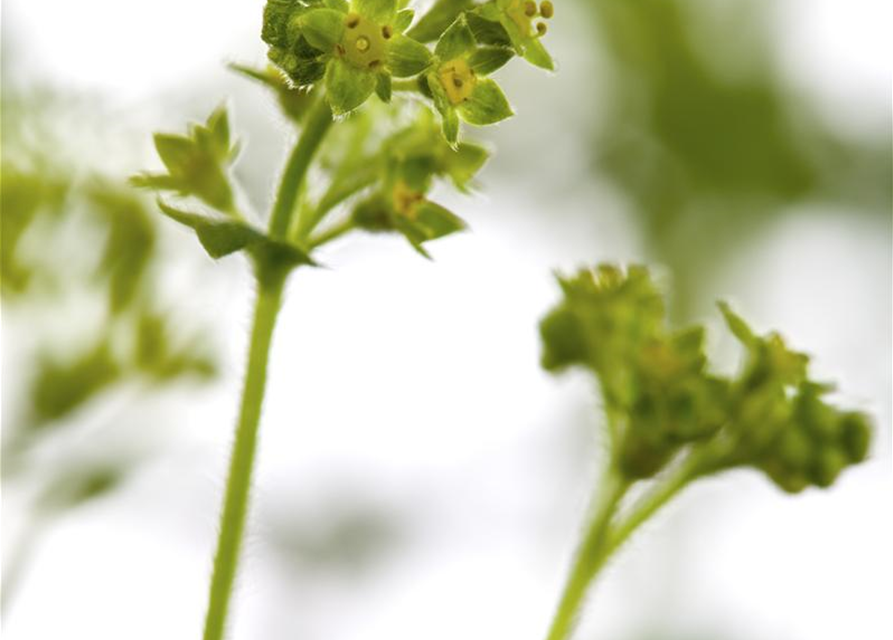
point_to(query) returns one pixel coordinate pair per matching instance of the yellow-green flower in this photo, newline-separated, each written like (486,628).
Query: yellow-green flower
(353,48)
(458,84)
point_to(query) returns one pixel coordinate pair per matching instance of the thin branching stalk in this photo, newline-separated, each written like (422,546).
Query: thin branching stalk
(590,557)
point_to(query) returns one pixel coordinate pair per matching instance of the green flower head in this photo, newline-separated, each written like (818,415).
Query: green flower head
(457,82)
(661,397)
(355,49)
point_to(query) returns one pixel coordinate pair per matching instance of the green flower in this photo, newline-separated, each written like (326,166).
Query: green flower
(457,82)
(355,49)
(414,158)
(522,24)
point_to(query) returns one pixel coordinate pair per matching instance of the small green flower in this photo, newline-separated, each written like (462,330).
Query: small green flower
(458,84)
(355,49)
(414,158)
(523,24)
(408,212)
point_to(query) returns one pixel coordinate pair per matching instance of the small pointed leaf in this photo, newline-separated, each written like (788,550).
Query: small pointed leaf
(407,57)
(347,87)
(456,42)
(486,104)
(323,28)
(486,60)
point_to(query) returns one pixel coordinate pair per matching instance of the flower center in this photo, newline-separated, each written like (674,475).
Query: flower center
(364,43)
(458,80)
(406,200)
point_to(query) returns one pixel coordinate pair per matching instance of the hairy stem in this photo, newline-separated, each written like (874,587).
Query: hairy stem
(591,557)
(235,505)
(315,127)
(605,538)
(271,283)
(363,176)
(652,502)
(332,233)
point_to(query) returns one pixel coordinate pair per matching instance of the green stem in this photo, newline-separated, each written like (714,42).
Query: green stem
(590,557)
(406,85)
(363,176)
(652,502)
(317,124)
(235,505)
(271,282)
(336,231)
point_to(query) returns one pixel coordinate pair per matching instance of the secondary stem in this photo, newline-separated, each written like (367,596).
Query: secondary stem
(235,506)
(590,557)
(317,124)
(651,503)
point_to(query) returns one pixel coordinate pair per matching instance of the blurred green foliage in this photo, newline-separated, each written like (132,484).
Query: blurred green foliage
(52,212)
(708,140)
(73,239)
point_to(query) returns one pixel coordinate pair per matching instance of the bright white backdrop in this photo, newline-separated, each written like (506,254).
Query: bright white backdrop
(478,452)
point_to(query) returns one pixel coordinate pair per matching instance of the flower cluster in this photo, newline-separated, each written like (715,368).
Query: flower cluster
(661,398)
(339,54)
(357,49)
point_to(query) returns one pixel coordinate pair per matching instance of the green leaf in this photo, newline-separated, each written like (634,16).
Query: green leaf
(383,87)
(486,60)
(403,20)
(62,387)
(441,15)
(487,32)
(535,53)
(323,28)
(218,125)
(406,57)
(175,151)
(486,104)
(380,11)
(339,5)
(464,163)
(347,87)
(449,117)
(451,126)
(197,163)
(737,325)
(223,237)
(74,487)
(130,244)
(456,42)
(437,221)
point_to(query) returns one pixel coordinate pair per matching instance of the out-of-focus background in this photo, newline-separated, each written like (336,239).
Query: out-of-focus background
(410,487)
